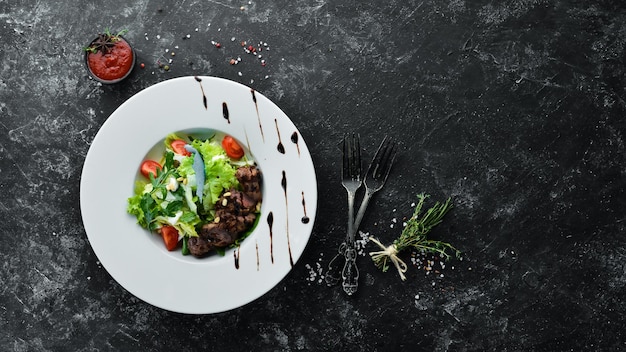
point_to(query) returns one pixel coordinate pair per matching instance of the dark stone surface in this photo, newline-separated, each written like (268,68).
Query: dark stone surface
(515,109)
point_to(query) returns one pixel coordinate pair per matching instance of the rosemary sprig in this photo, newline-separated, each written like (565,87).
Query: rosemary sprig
(414,236)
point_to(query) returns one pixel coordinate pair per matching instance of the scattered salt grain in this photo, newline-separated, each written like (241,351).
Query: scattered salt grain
(239,73)
(315,272)
(361,242)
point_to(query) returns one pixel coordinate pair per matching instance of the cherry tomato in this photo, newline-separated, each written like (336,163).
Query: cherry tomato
(232,148)
(150,167)
(179,147)
(170,237)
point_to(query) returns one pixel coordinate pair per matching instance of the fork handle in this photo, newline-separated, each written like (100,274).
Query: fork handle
(350,272)
(364,203)
(333,274)
(350,235)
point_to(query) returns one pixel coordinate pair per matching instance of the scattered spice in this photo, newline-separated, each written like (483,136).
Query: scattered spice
(250,47)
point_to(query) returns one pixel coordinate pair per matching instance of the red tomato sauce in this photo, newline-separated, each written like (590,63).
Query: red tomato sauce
(113,65)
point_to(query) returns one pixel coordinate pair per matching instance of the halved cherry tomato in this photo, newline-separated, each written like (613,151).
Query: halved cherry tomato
(150,167)
(232,148)
(170,237)
(179,147)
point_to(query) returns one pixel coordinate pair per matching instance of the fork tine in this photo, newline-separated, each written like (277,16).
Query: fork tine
(345,152)
(389,159)
(356,157)
(376,166)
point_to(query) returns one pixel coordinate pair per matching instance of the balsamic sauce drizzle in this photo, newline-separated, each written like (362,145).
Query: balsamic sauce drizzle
(294,139)
(256,106)
(257,256)
(270,222)
(280,147)
(305,218)
(283,183)
(236,255)
(225,112)
(204,101)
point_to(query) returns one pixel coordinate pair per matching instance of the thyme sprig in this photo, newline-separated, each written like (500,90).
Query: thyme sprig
(414,236)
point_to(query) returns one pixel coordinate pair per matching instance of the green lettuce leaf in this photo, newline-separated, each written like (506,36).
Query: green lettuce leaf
(220,174)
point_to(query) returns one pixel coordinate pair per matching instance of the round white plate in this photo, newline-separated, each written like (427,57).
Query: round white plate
(136,258)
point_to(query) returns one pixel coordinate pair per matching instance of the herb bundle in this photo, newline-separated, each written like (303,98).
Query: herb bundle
(414,236)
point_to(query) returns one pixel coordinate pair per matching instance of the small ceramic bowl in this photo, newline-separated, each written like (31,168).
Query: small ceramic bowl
(114,65)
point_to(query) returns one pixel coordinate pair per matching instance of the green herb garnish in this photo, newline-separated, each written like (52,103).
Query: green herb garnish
(105,41)
(414,236)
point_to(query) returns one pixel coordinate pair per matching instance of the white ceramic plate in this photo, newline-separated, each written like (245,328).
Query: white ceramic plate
(136,258)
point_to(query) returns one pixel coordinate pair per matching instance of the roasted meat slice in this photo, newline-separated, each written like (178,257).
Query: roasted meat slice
(249,178)
(235,213)
(210,237)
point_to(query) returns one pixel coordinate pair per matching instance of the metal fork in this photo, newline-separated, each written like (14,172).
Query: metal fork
(377,174)
(375,178)
(351,181)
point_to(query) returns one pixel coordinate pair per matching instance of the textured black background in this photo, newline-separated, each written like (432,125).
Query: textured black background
(513,108)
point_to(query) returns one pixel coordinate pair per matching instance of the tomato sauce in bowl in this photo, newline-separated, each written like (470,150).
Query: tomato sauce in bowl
(112,66)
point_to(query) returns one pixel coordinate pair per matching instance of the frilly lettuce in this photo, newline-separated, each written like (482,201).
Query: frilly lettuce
(220,174)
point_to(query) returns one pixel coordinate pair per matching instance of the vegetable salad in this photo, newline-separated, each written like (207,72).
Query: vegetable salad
(177,195)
